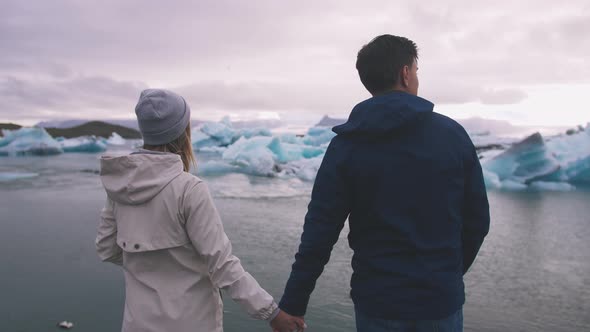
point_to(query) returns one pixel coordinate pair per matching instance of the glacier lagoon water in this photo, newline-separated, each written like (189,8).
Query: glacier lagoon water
(533,273)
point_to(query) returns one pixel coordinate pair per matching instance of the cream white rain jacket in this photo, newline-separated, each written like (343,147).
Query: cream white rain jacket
(160,224)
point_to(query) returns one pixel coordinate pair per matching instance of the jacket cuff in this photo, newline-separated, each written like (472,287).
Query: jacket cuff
(274,314)
(268,312)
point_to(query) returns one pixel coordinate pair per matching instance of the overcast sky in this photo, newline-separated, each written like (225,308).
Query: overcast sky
(522,61)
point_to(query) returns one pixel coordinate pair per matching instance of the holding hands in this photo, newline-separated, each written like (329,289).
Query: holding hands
(284,322)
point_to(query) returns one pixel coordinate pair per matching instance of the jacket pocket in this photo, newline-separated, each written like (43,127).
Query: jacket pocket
(153,226)
(138,244)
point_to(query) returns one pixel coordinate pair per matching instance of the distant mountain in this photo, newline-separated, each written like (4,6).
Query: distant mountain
(481,125)
(327,121)
(129,123)
(96,128)
(9,126)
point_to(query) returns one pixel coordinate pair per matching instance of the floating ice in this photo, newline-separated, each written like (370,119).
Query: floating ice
(89,144)
(115,139)
(213,149)
(291,138)
(305,169)
(216,167)
(28,141)
(222,132)
(12,176)
(524,161)
(319,136)
(201,140)
(491,179)
(269,156)
(286,152)
(251,132)
(552,186)
(557,163)
(253,155)
(65,325)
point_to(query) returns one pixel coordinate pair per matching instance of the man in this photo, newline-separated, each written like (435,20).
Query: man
(410,183)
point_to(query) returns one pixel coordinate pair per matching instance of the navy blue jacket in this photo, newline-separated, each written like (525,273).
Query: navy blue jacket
(410,182)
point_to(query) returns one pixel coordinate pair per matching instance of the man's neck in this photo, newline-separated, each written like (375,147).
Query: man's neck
(394,89)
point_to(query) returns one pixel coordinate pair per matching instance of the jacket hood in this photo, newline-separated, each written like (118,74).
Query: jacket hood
(137,178)
(386,113)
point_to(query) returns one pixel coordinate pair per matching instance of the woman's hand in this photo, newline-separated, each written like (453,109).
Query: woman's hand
(284,322)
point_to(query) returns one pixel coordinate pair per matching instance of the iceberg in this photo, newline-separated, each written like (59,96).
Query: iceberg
(253,155)
(552,186)
(201,140)
(86,144)
(216,167)
(115,139)
(318,136)
(221,132)
(524,162)
(11,176)
(269,156)
(557,163)
(286,152)
(492,180)
(28,141)
(304,169)
(251,132)
(291,138)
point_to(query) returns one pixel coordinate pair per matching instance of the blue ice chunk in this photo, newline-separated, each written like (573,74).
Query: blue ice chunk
(252,132)
(286,152)
(252,155)
(86,144)
(491,179)
(552,186)
(216,167)
(201,140)
(524,162)
(304,169)
(578,171)
(318,136)
(221,132)
(512,185)
(28,141)
(115,139)
(12,176)
(291,138)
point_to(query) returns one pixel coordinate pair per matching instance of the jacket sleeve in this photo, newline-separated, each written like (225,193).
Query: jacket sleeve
(476,214)
(205,230)
(326,214)
(106,240)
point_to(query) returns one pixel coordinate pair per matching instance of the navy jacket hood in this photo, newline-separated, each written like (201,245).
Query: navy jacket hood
(384,114)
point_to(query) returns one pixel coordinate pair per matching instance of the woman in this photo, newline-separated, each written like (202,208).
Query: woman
(161,225)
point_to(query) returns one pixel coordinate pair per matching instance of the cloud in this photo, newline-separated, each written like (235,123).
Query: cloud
(502,96)
(66,57)
(102,95)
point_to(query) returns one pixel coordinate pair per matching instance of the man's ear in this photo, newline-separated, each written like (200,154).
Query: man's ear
(405,76)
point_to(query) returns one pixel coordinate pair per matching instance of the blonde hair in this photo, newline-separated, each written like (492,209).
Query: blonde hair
(181,146)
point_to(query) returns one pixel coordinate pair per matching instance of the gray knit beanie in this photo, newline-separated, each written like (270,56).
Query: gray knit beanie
(162,116)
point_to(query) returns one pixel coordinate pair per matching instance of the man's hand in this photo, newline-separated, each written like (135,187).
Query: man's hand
(284,322)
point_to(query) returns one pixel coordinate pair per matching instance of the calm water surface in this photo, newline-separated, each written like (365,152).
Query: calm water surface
(533,273)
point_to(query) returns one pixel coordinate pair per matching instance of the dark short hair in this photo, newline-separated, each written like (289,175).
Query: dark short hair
(381,60)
